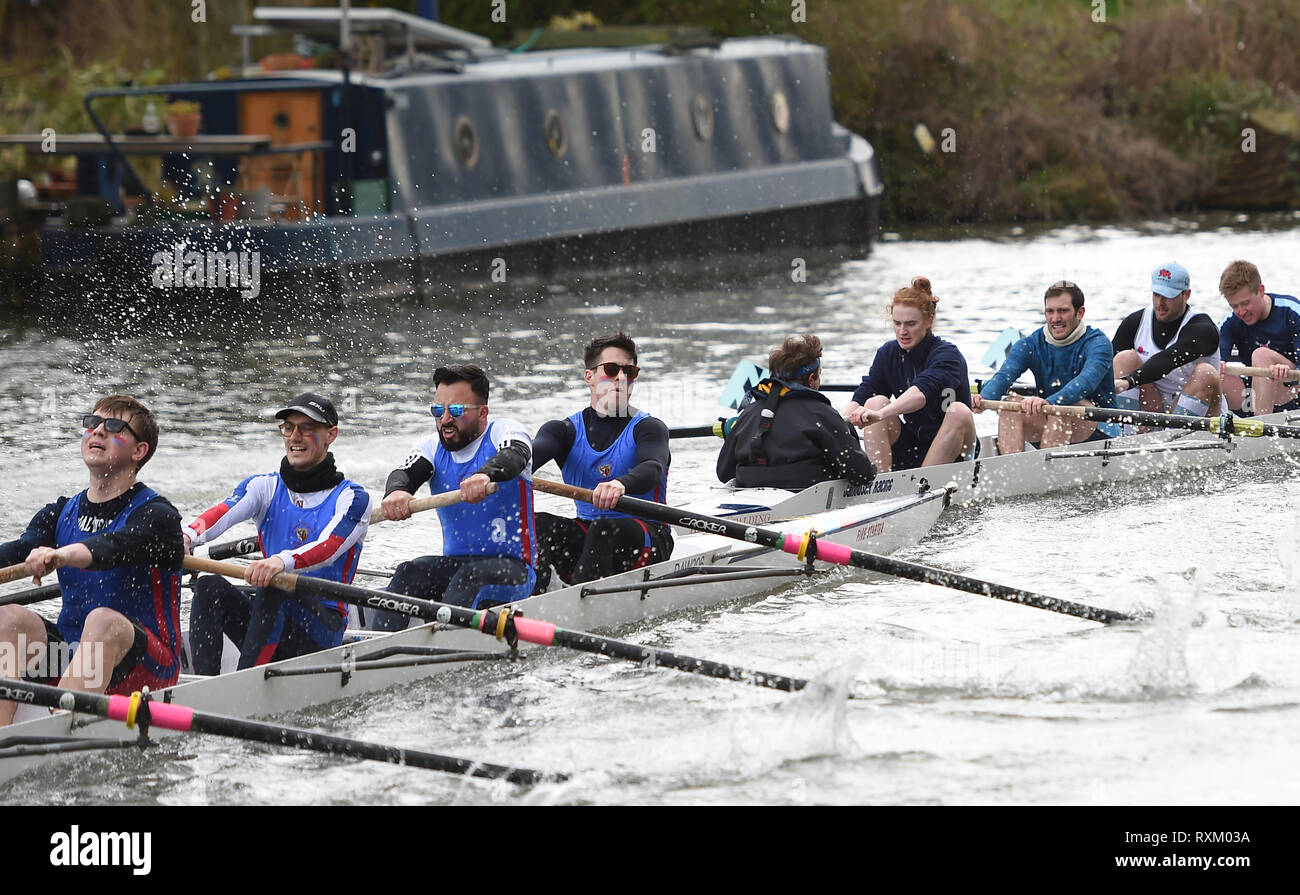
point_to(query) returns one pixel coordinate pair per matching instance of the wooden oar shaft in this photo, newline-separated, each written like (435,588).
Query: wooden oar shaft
(170,716)
(799,545)
(16,572)
(1258,372)
(505,622)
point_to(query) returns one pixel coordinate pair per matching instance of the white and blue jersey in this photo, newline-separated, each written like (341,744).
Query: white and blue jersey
(587,467)
(318,533)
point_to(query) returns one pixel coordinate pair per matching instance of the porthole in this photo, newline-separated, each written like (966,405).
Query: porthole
(557,139)
(465,138)
(702,117)
(780,112)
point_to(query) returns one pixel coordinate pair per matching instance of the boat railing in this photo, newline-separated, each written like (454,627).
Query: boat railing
(234,144)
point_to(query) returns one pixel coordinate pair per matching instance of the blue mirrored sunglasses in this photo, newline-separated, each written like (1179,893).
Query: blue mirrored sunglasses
(456,410)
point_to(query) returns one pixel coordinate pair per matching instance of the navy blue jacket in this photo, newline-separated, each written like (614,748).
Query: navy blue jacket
(934,366)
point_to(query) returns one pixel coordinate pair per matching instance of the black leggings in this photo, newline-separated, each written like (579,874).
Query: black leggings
(457,580)
(588,549)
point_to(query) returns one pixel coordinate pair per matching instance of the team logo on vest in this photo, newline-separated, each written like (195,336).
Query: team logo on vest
(302,533)
(605,469)
(498,534)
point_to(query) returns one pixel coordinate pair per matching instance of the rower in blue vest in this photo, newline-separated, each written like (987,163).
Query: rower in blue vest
(118,548)
(1072,365)
(1263,331)
(612,449)
(310,521)
(488,541)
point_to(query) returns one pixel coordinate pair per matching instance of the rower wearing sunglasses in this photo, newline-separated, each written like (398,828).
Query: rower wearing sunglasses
(488,542)
(310,521)
(612,449)
(117,547)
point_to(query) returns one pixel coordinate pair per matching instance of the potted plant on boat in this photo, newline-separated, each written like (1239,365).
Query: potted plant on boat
(183,118)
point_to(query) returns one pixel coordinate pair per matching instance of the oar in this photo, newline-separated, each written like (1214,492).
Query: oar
(170,716)
(15,572)
(1251,428)
(1261,372)
(31,595)
(508,623)
(245,546)
(802,545)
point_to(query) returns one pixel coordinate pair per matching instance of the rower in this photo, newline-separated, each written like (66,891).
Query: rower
(1264,331)
(612,449)
(310,520)
(1166,355)
(1071,363)
(914,402)
(789,435)
(488,541)
(118,548)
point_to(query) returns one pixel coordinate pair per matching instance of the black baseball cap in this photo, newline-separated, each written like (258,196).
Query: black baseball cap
(319,408)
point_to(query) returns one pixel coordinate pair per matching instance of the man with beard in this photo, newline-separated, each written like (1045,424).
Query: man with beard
(1071,363)
(311,521)
(611,449)
(117,548)
(488,542)
(1167,355)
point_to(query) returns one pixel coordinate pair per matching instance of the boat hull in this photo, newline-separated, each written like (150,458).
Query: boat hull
(622,600)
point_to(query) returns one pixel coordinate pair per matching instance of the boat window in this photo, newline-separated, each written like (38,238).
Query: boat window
(780,111)
(557,141)
(702,117)
(466,142)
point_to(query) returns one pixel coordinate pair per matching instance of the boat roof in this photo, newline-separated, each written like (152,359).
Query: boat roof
(322,24)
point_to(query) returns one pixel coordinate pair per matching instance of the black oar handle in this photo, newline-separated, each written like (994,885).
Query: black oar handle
(229,549)
(32,595)
(171,716)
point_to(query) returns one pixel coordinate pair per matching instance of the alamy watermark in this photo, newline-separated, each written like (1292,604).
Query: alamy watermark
(208,270)
(48,661)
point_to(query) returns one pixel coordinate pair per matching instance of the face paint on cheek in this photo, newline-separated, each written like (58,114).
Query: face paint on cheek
(119,439)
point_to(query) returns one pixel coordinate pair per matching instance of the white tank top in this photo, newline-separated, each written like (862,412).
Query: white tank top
(1145,344)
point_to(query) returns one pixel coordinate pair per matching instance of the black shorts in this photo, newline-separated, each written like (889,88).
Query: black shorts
(123,670)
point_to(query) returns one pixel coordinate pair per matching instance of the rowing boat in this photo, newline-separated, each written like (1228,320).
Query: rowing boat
(705,570)
(1170,453)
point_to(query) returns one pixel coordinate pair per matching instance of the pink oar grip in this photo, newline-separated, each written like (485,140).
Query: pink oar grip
(826,551)
(836,553)
(161,714)
(534,631)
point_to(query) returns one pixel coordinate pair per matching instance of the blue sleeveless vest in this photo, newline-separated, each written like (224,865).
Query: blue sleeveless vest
(587,467)
(147,595)
(287,526)
(502,525)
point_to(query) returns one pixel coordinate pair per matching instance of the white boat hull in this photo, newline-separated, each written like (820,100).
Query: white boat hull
(881,528)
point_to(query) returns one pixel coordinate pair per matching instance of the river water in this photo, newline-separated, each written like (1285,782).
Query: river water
(963,700)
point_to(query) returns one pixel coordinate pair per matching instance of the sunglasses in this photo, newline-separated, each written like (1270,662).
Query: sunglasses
(1063,284)
(111,424)
(611,369)
(456,410)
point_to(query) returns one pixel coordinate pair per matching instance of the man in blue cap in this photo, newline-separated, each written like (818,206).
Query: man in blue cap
(1167,355)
